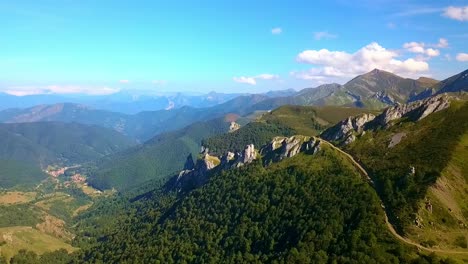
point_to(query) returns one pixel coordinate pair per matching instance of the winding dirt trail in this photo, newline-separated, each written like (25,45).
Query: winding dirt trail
(364,173)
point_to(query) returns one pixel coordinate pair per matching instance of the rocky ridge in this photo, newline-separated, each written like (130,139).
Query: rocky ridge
(346,131)
(196,174)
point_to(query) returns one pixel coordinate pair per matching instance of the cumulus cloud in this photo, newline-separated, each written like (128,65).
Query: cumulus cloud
(247,80)
(60,89)
(462,57)
(324,35)
(124,81)
(459,13)
(253,80)
(420,47)
(276,31)
(340,64)
(443,43)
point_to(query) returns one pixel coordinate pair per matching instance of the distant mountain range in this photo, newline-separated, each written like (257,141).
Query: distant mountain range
(141,126)
(125,101)
(376,89)
(130,102)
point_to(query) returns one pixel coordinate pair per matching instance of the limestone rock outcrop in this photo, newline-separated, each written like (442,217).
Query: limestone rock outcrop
(415,111)
(284,147)
(346,131)
(233,126)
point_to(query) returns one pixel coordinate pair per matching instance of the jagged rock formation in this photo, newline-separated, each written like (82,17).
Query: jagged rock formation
(284,147)
(194,175)
(199,173)
(345,132)
(233,126)
(415,111)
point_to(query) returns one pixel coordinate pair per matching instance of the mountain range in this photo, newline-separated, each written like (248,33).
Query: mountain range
(374,90)
(128,102)
(301,199)
(355,173)
(141,126)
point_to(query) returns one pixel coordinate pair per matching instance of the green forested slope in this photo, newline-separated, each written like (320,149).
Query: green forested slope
(306,209)
(427,146)
(257,133)
(284,121)
(157,158)
(26,148)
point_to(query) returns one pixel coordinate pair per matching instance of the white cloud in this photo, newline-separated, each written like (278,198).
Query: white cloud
(462,57)
(459,13)
(247,80)
(432,52)
(124,81)
(324,35)
(340,64)
(253,80)
(276,31)
(414,47)
(443,43)
(266,76)
(420,47)
(60,89)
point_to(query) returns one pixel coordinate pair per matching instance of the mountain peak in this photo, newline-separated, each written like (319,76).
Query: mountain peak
(379,72)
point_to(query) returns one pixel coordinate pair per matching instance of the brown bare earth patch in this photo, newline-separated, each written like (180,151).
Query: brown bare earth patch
(10,198)
(82,209)
(54,226)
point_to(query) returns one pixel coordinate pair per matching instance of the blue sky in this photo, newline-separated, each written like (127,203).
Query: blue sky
(99,47)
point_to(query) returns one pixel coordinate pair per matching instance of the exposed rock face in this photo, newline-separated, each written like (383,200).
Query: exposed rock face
(248,155)
(385,98)
(279,148)
(416,111)
(283,147)
(233,126)
(346,131)
(396,139)
(197,175)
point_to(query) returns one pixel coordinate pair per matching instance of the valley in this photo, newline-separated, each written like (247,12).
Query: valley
(231,132)
(307,182)
(39,218)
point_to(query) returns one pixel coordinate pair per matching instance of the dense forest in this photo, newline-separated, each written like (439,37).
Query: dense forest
(257,133)
(307,209)
(157,158)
